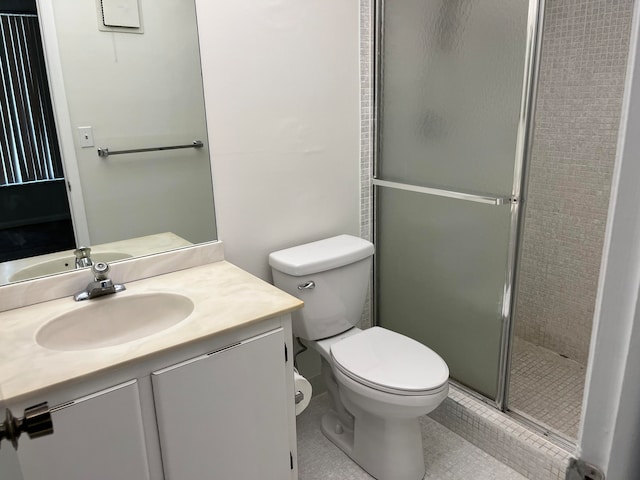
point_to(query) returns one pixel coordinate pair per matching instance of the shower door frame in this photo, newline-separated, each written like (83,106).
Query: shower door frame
(515,200)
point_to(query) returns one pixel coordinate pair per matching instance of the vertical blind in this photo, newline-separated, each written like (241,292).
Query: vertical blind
(29,148)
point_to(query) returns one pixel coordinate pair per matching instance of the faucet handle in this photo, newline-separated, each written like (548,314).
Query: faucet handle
(101,271)
(102,284)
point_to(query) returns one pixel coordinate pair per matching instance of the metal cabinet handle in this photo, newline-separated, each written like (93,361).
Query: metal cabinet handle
(35,423)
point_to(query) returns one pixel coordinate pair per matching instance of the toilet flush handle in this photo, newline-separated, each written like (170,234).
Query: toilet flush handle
(307,285)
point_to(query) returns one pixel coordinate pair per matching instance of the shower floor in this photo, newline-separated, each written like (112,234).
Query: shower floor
(546,387)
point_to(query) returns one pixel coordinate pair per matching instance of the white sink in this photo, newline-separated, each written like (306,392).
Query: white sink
(63,264)
(113,320)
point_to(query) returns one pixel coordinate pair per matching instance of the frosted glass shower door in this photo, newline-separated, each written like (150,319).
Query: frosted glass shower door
(451,108)
(441,270)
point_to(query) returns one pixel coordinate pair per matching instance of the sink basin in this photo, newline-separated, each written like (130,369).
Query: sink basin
(63,264)
(113,320)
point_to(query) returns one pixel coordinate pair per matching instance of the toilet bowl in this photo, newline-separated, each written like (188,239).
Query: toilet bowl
(385,382)
(380,382)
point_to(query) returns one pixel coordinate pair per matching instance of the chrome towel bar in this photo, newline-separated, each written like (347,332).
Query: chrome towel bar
(104,152)
(472,197)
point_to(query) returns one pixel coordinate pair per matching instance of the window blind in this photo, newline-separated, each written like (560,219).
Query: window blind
(29,149)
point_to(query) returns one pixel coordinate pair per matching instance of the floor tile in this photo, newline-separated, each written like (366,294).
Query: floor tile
(546,387)
(447,455)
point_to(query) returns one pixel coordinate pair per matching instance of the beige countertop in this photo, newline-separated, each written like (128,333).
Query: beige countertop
(225,298)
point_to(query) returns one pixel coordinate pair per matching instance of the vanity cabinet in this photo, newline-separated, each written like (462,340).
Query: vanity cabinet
(222,409)
(98,437)
(224,414)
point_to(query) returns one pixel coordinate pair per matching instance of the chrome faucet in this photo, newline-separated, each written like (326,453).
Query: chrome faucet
(102,284)
(83,257)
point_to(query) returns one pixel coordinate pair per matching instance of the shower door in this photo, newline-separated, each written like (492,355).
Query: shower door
(453,94)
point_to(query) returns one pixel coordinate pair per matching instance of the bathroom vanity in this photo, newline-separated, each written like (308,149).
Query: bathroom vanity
(208,396)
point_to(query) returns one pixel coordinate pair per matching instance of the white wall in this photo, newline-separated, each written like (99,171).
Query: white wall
(610,433)
(282,97)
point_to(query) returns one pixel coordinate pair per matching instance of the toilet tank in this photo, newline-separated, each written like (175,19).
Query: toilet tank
(331,276)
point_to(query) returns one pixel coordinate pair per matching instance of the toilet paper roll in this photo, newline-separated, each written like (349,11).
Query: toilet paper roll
(302,389)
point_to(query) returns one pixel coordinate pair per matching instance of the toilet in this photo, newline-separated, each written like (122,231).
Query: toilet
(380,382)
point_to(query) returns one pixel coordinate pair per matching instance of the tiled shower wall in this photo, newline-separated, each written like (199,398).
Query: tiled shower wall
(580,89)
(367,116)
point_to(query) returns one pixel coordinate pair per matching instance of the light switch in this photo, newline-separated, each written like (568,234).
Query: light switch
(85,137)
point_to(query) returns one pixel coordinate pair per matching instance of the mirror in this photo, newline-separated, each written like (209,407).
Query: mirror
(123,75)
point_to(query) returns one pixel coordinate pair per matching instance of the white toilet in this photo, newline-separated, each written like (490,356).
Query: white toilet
(380,382)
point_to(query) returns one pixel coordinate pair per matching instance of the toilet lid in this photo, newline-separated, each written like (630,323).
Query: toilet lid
(390,362)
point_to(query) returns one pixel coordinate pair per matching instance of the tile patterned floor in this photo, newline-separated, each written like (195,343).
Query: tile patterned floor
(509,441)
(546,387)
(447,455)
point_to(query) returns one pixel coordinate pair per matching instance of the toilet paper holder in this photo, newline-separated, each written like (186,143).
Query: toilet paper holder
(303,392)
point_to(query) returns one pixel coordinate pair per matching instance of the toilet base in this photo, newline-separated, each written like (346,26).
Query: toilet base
(401,461)
(340,435)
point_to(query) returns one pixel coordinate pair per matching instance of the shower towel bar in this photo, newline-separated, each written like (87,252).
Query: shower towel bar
(472,197)
(104,152)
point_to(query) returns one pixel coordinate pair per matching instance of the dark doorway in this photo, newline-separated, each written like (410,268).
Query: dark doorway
(34,211)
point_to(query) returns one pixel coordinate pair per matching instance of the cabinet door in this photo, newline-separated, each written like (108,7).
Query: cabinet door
(224,415)
(97,437)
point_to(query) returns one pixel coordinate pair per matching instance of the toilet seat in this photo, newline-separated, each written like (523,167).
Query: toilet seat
(390,362)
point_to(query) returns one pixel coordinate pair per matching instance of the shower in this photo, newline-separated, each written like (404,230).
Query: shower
(496,132)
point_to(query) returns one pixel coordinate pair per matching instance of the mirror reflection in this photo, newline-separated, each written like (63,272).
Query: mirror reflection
(108,77)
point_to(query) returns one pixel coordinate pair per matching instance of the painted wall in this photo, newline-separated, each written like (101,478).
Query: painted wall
(610,434)
(282,98)
(137,90)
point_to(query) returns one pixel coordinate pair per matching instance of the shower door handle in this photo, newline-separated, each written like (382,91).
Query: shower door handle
(439,192)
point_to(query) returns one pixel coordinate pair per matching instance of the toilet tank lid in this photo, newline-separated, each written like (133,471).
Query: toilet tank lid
(322,255)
